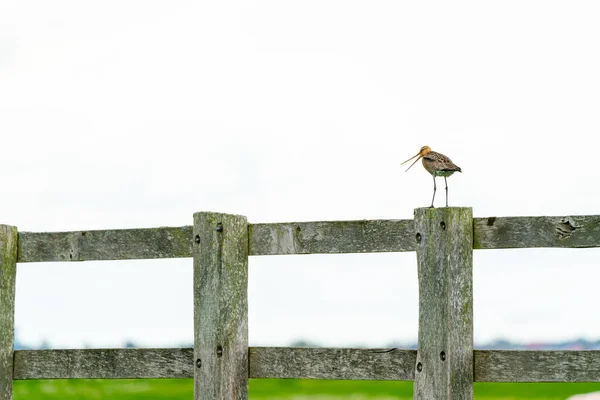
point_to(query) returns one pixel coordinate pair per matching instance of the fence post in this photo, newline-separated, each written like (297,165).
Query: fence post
(220,306)
(444,367)
(8,272)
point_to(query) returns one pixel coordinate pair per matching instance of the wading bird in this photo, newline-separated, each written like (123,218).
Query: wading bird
(437,165)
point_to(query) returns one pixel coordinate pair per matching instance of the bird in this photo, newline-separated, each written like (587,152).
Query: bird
(436,164)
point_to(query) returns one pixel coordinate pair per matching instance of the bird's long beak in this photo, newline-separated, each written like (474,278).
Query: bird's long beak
(416,155)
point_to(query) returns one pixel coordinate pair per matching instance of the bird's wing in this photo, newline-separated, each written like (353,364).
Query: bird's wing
(441,162)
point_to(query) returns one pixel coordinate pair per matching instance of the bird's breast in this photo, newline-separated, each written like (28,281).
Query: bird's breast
(442,173)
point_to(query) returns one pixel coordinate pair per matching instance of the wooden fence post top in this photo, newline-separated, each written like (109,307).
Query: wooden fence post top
(219,214)
(430,210)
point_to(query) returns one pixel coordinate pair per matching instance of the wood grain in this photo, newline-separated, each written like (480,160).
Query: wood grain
(332,363)
(264,362)
(328,237)
(220,306)
(120,244)
(104,364)
(529,232)
(332,237)
(537,366)
(8,273)
(444,239)
(304,363)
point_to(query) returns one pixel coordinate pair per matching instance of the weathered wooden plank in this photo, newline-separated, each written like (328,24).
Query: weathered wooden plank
(220,306)
(265,362)
(175,242)
(120,244)
(444,367)
(537,366)
(332,363)
(304,363)
(328,237)
(104,364)
(521,232)
(332,237)
(8,273)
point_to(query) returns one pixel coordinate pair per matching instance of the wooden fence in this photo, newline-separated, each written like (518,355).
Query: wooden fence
(443,367)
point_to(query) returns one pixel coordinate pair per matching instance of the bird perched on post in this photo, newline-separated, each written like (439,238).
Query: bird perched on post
(436,164)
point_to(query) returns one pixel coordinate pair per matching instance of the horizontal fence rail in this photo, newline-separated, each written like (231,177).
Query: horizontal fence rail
(118,244)
(333,237)
(305,363)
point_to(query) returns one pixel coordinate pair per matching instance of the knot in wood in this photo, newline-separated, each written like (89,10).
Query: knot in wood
(564,228)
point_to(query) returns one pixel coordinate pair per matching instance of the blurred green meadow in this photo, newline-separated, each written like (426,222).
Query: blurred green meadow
(287,389)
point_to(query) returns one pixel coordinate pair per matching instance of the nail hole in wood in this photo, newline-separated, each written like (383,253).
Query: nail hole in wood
(443,225)
(419,367)
(443,356)
(198,363)
(197,239)
(219,227)
(219,351)
(418,238)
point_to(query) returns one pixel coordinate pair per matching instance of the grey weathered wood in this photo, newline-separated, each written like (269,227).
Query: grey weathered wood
(120,244)
(304,363)
(220,306)
(265,362)
(444,367)
(306,238)
(8,273)
(104,364)
(537,366)
(175,242)
(332,237)
(520,232)
(332,363)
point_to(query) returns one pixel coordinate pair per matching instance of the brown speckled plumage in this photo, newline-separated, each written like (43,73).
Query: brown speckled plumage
(436,164)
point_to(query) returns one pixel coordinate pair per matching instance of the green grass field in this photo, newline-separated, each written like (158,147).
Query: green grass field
(146,389)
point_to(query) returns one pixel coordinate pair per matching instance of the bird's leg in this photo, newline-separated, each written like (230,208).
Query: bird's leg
(433,192)
(446,191)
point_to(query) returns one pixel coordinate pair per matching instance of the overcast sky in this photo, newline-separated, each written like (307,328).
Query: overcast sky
(131,114)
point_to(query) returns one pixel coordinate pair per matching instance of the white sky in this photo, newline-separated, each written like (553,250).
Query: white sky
(122,114)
